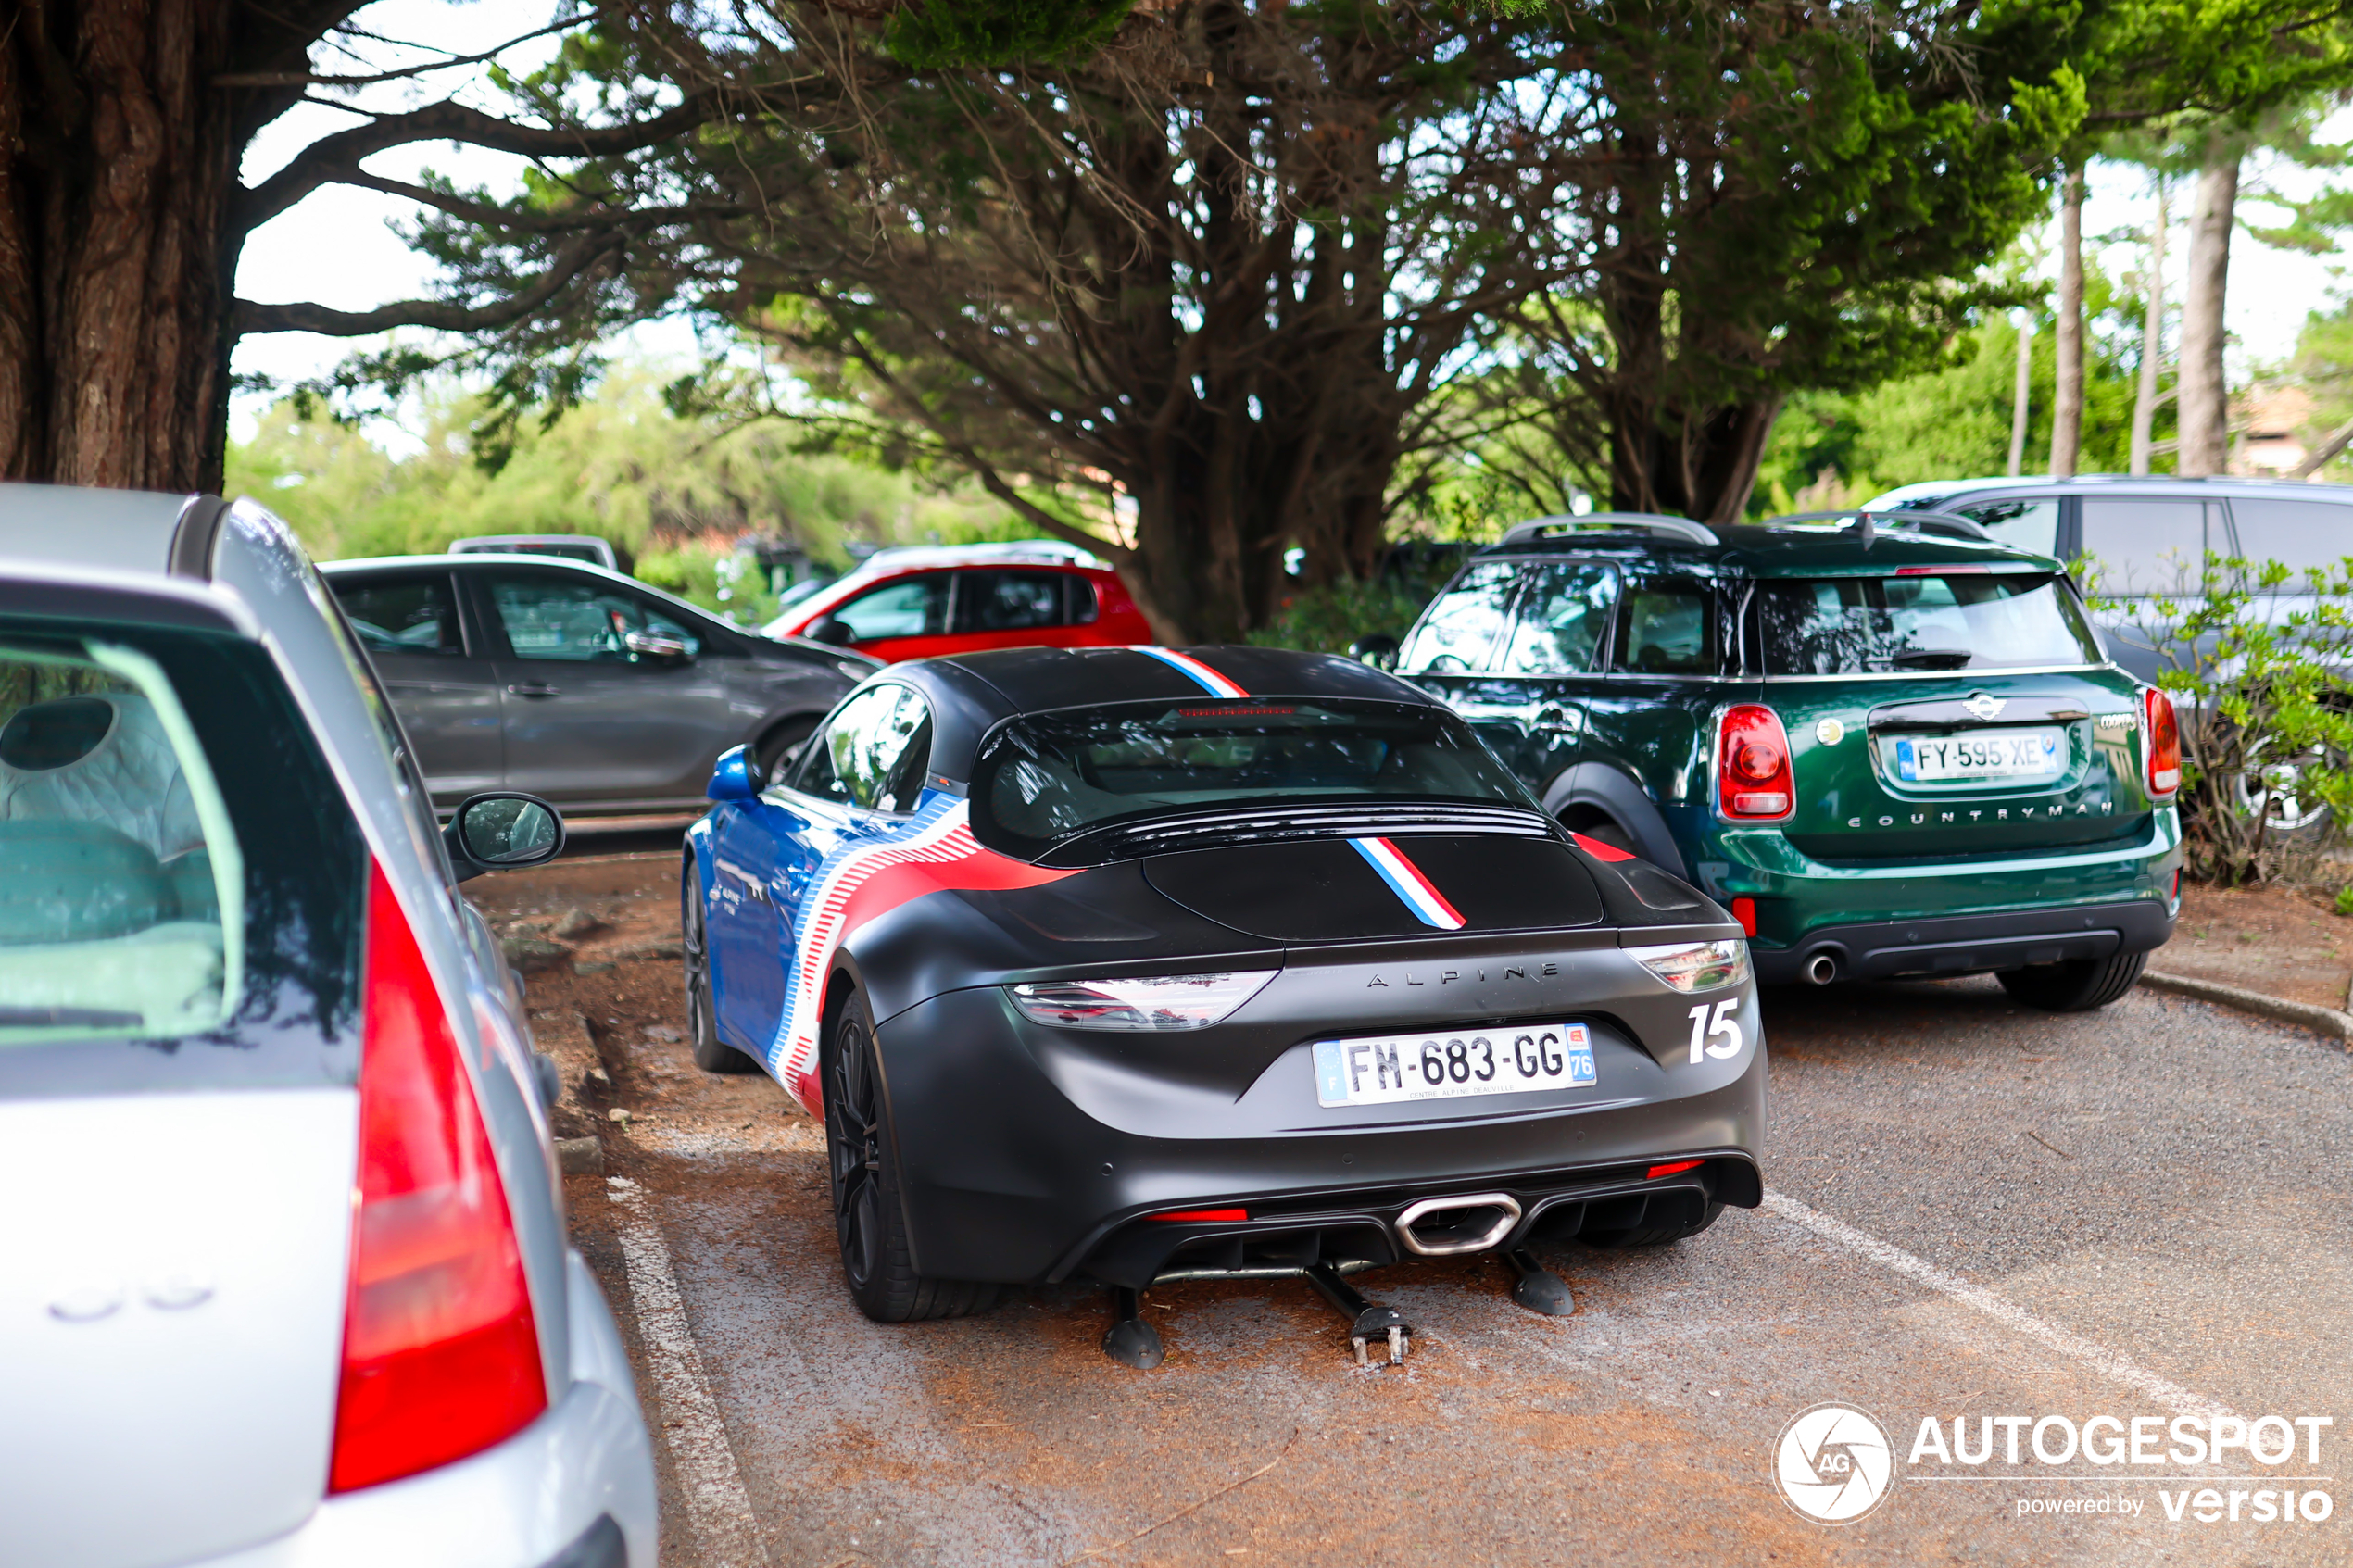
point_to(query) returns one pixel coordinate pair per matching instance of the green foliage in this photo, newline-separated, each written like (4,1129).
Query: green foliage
(674,496)
(1327,620)
(2344,900)
(996,32)
(2265,700)
(1835,449)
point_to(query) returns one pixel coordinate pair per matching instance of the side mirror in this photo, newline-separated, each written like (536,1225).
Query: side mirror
(734,776)
(502,831)
(825,628)
(658,645)
(1380,650)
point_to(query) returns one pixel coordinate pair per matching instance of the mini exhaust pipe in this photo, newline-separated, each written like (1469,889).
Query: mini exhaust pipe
(1821,969)
(1461,1236)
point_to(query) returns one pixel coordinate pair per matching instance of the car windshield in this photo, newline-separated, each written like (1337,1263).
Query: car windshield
(1043,779)
(1920,623)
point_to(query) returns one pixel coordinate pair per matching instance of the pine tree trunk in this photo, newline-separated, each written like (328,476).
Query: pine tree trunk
(2152,340)
(2204,406)
(2067,400)
(118,158)
(2021,395)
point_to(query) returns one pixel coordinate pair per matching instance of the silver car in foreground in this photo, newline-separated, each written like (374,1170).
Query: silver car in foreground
(284,1272)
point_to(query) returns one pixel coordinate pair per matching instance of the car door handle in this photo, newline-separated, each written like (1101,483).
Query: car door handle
(535,688)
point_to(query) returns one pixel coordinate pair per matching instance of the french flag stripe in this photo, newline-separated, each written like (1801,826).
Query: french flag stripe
(1201,674)
(1405,880)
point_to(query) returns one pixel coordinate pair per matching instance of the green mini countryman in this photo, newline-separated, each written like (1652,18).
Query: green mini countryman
(1887,744)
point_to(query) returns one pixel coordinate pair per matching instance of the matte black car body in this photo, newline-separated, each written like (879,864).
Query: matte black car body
(1032,1153)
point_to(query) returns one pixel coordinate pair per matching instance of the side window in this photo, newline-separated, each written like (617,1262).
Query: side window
(2296,533)
(662,625)
(1666,629)
(1009,601)
(909,607)
(1084,604)
(2029,522)
(402,614)
(871,754)
(1561,620)
(564,620)
(2139,547)
(1459,632)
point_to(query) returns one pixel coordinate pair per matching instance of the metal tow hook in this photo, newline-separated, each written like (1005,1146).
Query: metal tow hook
(1369,1322)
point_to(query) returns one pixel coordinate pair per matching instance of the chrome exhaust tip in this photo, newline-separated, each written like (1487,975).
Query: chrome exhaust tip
(1452,1239)
(1821,969)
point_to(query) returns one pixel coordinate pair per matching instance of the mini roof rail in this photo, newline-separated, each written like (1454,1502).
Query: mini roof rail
(1681,528)
(1884,522)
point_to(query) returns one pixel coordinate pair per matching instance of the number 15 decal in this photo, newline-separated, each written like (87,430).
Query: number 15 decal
(1714,1033)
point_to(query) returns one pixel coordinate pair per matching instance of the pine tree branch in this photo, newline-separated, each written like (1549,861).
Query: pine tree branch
(580,255)
(332,158)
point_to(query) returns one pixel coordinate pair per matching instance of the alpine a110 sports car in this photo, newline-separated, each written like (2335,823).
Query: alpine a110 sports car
(1134,964)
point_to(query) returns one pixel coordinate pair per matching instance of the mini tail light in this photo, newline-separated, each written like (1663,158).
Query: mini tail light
(440,1355)
(1752,778)
(2164,733)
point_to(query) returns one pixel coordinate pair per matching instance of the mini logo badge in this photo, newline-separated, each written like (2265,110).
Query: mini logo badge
(1833,1463)
(1982,705)
(1830,732)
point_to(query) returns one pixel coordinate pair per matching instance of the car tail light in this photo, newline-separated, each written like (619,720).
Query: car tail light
(1752,778)
(1161,1002)
(2164,731)
(1745,911)
(440,1356)
(1675,1169)
(1203,1216)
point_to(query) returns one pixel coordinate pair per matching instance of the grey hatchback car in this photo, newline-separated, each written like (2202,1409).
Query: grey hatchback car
(577,683)
(286,1277)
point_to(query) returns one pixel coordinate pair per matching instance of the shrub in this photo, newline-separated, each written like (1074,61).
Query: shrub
(1327,620)
(2258,660)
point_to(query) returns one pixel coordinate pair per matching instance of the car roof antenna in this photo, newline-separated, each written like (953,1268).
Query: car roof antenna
(1865,529)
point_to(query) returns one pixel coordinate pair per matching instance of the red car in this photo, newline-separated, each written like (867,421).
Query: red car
(920,603)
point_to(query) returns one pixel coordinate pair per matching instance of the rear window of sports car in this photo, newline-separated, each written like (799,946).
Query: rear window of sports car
(1046,778)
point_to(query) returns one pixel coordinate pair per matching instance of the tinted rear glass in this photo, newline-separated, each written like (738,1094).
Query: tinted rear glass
(183,883)
(1045,779)
(2296,533)
(1920,625)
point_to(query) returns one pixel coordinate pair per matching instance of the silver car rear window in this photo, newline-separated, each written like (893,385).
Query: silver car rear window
(182,884)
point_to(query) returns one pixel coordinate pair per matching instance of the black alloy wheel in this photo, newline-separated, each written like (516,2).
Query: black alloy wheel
(711,1054)
(869,1221)
(2074,984)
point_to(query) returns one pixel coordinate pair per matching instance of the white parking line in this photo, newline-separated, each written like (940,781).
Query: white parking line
(718,1515)
(2001,1309)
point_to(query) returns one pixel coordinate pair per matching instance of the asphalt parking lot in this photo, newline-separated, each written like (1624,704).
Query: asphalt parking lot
(1977,1212)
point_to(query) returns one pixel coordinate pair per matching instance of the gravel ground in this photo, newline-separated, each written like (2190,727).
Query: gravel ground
(2156,1193)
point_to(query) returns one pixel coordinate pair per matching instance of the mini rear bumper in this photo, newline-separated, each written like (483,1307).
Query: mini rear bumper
(1969,943)
(1022,1163)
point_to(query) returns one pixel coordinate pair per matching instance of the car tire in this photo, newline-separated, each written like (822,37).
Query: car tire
(770,750)
(862,1177)
(712,1053)
(2076,985)
(1653,1236)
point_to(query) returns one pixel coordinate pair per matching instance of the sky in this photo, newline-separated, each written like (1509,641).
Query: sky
(337,247)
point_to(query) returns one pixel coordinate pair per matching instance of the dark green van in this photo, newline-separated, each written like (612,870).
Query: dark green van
(1889,745)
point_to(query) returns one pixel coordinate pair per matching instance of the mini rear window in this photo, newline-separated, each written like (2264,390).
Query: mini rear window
(1920,624)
